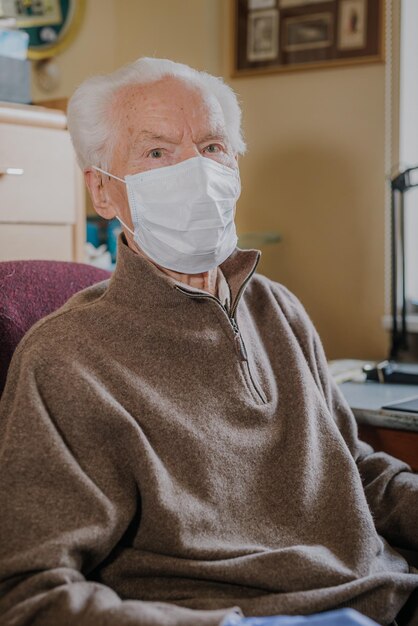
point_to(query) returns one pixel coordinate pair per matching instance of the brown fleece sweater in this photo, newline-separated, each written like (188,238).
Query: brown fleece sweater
(159,467)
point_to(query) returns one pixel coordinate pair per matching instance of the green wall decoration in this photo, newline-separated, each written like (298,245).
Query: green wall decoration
(51,24)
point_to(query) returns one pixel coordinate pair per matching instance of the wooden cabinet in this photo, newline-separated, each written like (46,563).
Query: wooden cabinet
(402,444)
(42,200)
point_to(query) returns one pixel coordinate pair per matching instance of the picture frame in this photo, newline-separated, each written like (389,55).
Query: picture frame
(262,36)
(51,24)
(288,35)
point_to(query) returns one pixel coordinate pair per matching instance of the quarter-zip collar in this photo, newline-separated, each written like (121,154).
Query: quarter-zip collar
(140,284)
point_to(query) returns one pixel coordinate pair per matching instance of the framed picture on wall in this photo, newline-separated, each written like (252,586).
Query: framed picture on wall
(262,39)
(51,24)
(285,35)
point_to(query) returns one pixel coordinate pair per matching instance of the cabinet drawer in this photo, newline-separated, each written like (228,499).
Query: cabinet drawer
(402,444)
(45,192)
(35,241)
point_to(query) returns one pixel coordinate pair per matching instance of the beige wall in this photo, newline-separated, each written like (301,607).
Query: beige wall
(188,31)
(315,173)
(314,170)
(92,52)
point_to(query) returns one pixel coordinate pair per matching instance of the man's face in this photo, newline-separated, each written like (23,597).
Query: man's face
(157,125)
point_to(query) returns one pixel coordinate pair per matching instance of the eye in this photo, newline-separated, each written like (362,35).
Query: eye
(156,153)
(212,148)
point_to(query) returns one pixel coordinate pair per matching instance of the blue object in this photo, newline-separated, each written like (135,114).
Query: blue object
(15,80)
(341,617)
(96,230)
(93,233)
(113,230)
(101,231)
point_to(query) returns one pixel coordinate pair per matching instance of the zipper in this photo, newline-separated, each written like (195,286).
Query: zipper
(242,353)
(238,340)
(241,289)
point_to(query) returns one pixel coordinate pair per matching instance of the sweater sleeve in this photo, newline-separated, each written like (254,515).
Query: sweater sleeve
(390,486)
(61,514)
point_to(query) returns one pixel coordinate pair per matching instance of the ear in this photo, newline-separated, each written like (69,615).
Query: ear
(99,193)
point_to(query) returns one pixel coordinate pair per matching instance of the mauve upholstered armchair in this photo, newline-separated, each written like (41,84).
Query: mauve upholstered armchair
(30,290)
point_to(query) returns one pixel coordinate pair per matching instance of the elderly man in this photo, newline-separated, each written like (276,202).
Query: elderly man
(173,449)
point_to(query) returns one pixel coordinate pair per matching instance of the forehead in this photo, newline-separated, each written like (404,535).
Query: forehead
(168,106)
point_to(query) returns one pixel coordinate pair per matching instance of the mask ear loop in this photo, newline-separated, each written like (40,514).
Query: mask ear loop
(122,181)
(108,174)
(123,224)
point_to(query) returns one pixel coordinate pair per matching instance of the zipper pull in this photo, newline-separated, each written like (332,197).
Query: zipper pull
(239,343)
(234,324)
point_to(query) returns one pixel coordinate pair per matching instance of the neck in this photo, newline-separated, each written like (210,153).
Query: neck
(205,280)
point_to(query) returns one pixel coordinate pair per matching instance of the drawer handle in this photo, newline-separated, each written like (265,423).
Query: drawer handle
(12,171)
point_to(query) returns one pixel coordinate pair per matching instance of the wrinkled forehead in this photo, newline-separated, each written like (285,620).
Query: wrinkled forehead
(166,105)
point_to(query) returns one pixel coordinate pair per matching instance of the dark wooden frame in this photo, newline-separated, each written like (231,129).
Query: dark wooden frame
(320,54)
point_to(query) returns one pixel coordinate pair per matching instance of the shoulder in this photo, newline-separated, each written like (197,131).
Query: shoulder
(289,313)
(64,327)
(266,292)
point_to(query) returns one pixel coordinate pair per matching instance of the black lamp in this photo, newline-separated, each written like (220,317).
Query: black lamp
(400,184)
(390,371)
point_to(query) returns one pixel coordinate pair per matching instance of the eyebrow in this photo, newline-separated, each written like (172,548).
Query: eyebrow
(216,136)
(145,135)
(149,134)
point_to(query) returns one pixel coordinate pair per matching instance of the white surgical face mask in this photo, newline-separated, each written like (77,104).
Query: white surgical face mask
(183,214)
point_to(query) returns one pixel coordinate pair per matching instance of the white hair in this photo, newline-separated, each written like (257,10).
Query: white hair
(89,109)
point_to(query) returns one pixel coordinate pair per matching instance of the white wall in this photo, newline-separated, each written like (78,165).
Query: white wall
(408,134)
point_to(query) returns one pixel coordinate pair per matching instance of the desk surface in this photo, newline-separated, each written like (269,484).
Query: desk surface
(366,400)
